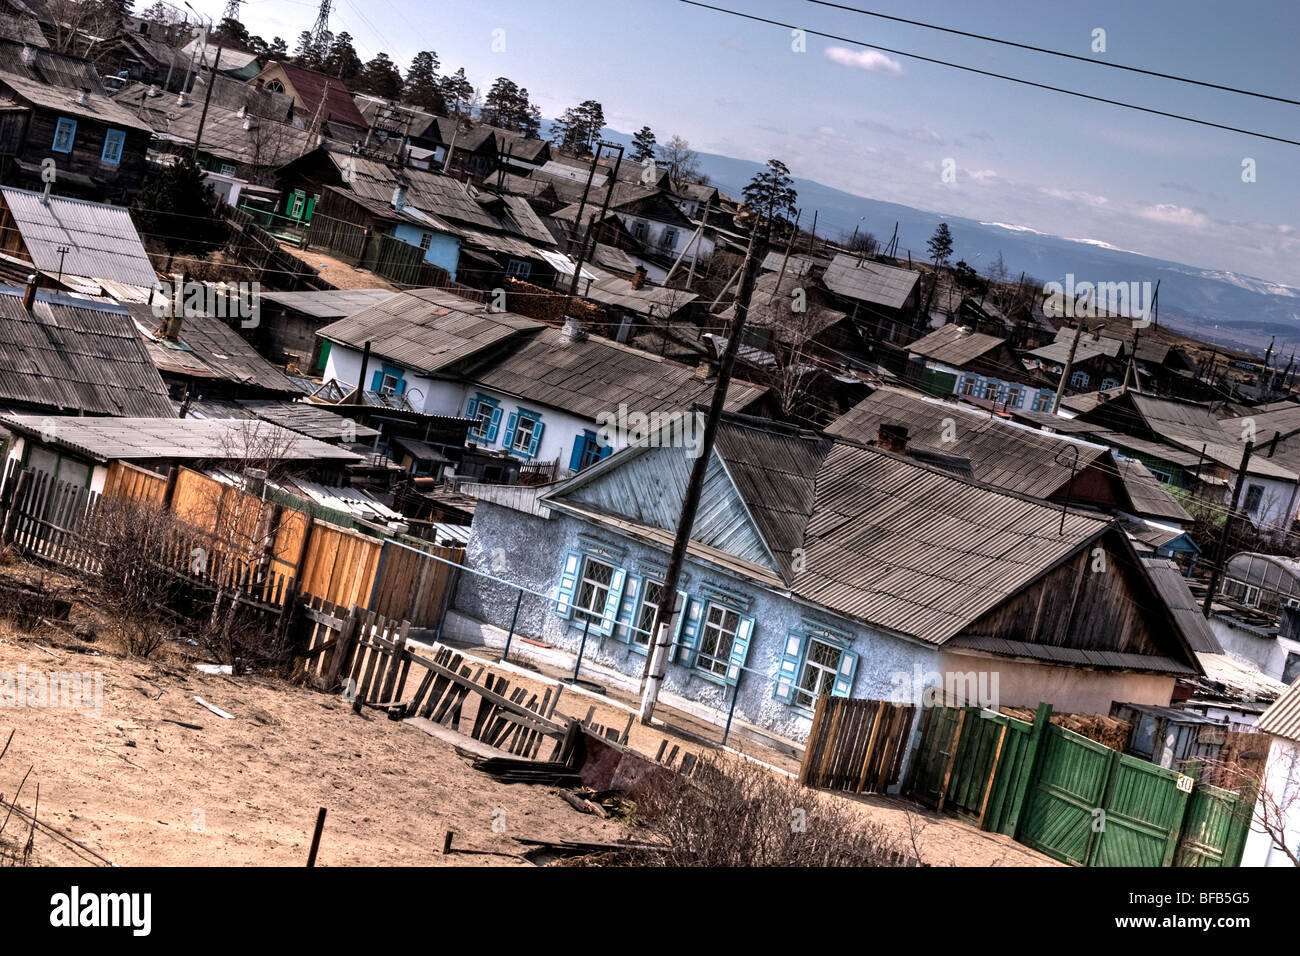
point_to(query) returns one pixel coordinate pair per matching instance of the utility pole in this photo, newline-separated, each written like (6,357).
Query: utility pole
(1227,526)
(1069,363)
(207,98)
(1131,371)
(591,227)
(670,610)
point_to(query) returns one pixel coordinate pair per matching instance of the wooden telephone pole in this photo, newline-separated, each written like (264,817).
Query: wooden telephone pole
(670,610)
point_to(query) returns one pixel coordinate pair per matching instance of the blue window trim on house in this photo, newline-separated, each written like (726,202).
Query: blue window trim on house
(739,643)
(571,573)
(797,641)
(507,441)
(377,380)
(494,424)
(71,126)
(114,137)
(587,450)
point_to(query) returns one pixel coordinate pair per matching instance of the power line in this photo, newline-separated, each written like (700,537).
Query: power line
(1000,76)
(1060,53)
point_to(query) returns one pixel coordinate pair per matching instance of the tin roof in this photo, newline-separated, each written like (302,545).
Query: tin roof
(330,303)
(148,439)
(75,355)
(954,345)
(1283,718)
(427,329)
(100,241)
(870,281)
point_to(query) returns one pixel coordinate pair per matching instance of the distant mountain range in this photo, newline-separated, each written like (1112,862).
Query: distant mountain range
(1247,311)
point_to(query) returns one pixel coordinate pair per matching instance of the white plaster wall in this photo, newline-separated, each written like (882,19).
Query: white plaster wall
(1282,781)
(1068,689)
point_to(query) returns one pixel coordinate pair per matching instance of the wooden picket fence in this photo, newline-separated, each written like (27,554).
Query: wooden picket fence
(368,658)
(856,745)
(47,517)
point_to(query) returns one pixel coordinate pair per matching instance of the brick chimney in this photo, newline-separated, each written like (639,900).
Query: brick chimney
(170,329)
(703,371)
(892,438)
(638,280)
(29,291)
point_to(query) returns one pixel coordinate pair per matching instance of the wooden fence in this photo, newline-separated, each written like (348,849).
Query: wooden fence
(254,247)
(367,656)
(1071,797)
(271,552)
(856,745)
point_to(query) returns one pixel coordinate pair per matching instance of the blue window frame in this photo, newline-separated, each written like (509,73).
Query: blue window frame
(486,413)
(523,433)
(114,140)
(389,380)
(817,660)
(587,450)
(64,135)
(590,592)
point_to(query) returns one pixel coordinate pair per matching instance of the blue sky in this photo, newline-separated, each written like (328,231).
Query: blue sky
(882,126)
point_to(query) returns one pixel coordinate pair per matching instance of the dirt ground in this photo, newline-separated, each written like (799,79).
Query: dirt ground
(337,272)
(141,789)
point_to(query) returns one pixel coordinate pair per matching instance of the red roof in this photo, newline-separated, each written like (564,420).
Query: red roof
(310,86)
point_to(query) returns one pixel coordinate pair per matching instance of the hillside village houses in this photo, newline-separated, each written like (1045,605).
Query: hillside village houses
(893,498)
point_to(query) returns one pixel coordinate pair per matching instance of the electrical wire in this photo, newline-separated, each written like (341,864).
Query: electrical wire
(1060,53)
(1000,76)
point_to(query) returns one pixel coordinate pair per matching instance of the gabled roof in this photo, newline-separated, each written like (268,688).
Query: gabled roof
(311,87)
(98,106)
(650,300)
(597,375)
(1089,347)
(75,355)
(955,345)
(773,307)
(883,539)
(427,329)
(1150,500)
(23,30)
(329,303)
(99,241)
(1003,454)
(869,281)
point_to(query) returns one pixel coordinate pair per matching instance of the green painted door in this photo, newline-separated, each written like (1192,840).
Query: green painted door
(1144,814)
(1060,816)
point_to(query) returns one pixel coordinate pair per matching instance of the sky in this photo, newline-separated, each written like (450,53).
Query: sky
(886,126)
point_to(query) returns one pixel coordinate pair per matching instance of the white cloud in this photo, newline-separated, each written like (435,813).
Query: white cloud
(864,60)
(1173,215)
(981,175)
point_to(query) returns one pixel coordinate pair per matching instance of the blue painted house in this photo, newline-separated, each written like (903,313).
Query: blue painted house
(820,565)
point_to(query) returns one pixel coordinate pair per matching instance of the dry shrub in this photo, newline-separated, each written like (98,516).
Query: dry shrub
(131,542)
(732,812)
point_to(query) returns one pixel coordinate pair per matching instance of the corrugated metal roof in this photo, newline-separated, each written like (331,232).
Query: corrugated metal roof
(1172,587)
(65,98)
(329,304)
(101,240)
(1147,494)
(1003,454)
(1283,718)
(210,349)
(146,439)
(596,375)
(312,419)
(76,355)
(954,345)
(870,281)
(427,329)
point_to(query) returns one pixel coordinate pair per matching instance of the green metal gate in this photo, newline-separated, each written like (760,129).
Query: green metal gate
(1093,806)
(1215,829)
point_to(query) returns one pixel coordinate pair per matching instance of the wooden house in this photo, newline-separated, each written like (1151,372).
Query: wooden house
(53,110)
(954,360)
(822,566)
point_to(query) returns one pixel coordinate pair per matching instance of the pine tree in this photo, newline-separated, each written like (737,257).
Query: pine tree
(643,145)
(423,86)
(457,93)
(174,207)
(578,127)
(771,192)
(380,78)
(940,245)
(341,60)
